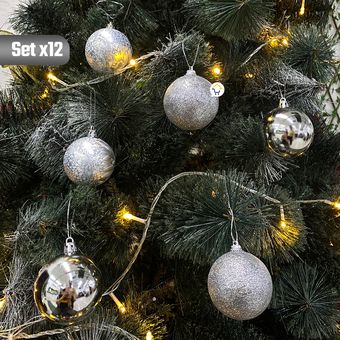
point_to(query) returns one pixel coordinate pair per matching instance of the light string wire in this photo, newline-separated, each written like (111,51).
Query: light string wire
(9,333)
(13,333)
(66,86)
(116,284)
(253,53)
(149,55)
(13,336)
(100,79)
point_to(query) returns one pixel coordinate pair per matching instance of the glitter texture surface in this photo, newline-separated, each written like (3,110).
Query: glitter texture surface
(89,160)
(188,103)
(108,50)
(288,131)
(240,285)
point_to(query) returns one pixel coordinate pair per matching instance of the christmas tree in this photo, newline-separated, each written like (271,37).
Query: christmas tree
(208,215)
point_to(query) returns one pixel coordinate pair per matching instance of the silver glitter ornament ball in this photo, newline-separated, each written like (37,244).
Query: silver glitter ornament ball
(240,285)
(108,50)
(288,132)
(188,103)
(89,160)
(67,289)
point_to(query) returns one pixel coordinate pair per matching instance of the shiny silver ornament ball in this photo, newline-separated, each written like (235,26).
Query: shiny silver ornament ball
(108,50)
(188,103)
(240,285)
(67,289)
(288,132)
(89,160)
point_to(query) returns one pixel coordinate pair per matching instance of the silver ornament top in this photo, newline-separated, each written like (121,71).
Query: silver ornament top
(283,103)
(70,247)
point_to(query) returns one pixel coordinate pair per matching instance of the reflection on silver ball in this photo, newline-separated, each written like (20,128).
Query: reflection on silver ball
(67,289)
(288,131)
(89,160)
(188,103)
(108,50)
(240,285)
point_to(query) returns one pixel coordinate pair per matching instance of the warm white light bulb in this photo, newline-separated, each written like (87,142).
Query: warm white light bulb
(149,336)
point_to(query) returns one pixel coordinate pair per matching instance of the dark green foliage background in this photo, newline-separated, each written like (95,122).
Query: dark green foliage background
(166,292)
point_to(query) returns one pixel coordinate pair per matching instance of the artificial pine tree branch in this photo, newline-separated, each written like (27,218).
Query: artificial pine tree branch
(274,79)
(230,19)
(239,141)
(311,52)
(118,108)
(170,63)
(306,302)
(13,162)
(138,24)
(198,225)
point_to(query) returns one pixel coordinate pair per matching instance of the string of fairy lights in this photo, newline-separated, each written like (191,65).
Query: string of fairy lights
(124,215)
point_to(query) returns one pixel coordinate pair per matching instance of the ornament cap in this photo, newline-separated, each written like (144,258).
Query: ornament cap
(191,71)
(92,132)
(236,246)
(283,103)
(70,247)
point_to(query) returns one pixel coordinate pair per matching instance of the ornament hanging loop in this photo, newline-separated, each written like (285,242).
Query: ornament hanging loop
(70,247)
(233,228)
(92,132)
(235,246)
(283,103)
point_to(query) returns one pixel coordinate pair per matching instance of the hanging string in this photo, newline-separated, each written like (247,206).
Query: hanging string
(283,101)
(93,109)
(233,228)
(70,247)
(68,219)
(116,284)
(186,58)
(109,17)
(90,113)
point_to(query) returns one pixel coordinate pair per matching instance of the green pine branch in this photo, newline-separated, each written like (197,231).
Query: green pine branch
(231,19)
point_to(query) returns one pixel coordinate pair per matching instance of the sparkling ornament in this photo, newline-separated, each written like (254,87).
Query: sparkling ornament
(89,160)
(67,289)
(188,103)
(108,50)
(240,285)
(288,132)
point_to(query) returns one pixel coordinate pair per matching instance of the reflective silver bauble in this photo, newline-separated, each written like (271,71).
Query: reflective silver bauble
(288,131)
(188,103)
(108,50)
(89,160)
(240,285)
(67,289)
